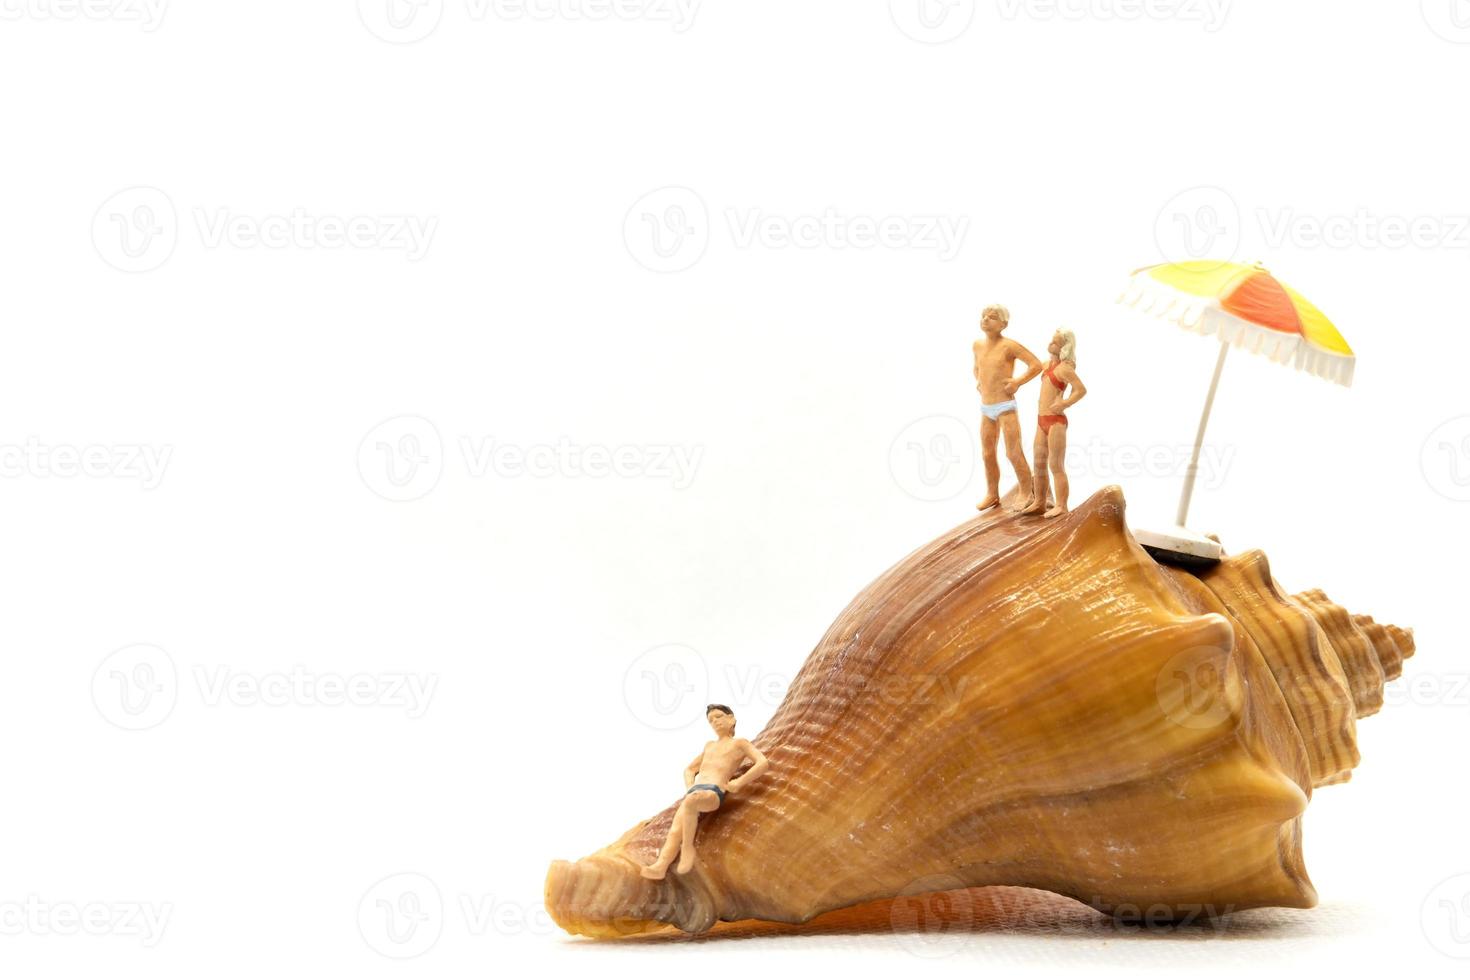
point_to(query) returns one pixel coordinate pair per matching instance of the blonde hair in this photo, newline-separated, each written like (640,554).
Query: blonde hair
(1069,346)
(998,310)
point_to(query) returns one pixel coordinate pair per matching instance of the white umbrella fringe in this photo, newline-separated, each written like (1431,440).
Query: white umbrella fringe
(1203,316)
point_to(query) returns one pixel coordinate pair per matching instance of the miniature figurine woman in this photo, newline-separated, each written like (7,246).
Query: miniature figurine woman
(1050,449)
(707,782)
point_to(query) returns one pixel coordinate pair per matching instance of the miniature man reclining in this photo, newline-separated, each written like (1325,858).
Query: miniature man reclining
(708,782)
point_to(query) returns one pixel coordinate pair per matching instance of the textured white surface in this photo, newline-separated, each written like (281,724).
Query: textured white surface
(1047,934)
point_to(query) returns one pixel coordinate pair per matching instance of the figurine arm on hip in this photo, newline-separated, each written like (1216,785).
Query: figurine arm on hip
(758,766)
(1033,368)
(1068,373)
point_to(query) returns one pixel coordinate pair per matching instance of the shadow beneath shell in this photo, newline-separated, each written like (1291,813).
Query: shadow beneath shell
(938,917)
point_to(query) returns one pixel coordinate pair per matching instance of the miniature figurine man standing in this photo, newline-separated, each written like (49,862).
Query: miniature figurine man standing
(1051,423)
(707,781)
(995,369)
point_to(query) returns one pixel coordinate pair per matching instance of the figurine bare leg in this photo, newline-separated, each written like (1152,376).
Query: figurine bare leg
(1037,503)
(1011,423)
(1057,450)
(703,802)
(989,434)
(660,866)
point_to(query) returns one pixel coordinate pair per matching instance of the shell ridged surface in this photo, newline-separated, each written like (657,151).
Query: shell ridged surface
(1028,702)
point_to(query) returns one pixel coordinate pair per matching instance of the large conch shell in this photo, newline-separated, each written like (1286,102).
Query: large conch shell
(1029,702)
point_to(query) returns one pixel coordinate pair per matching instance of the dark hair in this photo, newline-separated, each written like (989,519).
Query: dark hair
(712,707)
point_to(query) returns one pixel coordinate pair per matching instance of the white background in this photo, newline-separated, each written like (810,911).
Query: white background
(177,289)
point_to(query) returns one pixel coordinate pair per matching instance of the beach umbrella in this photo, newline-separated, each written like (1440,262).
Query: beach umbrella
(1242,306)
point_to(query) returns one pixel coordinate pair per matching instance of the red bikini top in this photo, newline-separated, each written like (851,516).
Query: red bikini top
(1053,379)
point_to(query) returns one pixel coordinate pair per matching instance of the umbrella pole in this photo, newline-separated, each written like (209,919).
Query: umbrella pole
(1199,438)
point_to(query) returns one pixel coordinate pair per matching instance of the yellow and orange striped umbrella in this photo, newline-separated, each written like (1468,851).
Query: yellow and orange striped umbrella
(1243,306)
(1247,307)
